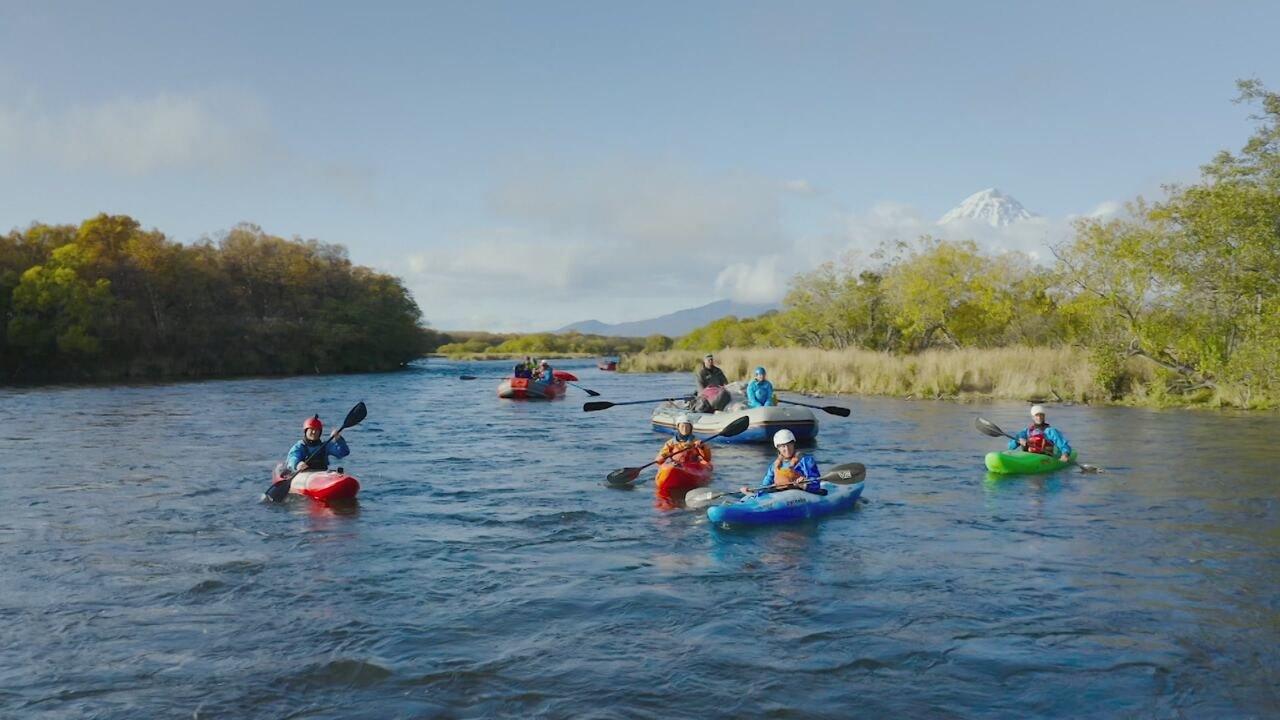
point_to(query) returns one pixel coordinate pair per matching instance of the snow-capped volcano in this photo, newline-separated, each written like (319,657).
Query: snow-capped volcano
(989,206)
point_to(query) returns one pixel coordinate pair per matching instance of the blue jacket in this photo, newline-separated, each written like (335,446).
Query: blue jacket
(759,393)
(1051,433)
(299,452)
(807,466)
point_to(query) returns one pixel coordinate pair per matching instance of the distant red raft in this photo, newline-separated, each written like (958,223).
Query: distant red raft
(607,365)
(528,389)
(322,485)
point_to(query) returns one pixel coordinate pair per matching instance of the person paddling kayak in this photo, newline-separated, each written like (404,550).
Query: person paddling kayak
(1040,438)
(790,468)
(682,440)
(310,442)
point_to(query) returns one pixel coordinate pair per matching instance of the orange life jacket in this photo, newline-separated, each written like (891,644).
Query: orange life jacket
(674,446)
(784,471)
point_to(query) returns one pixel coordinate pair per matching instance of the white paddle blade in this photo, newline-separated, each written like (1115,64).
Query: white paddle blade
(699,498)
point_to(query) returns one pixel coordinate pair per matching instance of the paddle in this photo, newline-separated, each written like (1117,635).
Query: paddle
(847,474)
(280,490)
(986,427)
(592,393)
(605,405)
(832,409)
(624,476)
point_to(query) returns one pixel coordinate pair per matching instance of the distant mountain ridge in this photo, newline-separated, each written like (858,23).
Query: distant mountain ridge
(675,324)
(988,206)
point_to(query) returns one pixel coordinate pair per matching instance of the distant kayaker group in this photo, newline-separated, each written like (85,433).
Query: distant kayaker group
(718,410)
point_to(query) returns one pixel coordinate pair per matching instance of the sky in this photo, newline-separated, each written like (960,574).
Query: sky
(526,165)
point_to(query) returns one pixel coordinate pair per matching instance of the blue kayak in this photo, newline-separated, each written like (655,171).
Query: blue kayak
(786,506)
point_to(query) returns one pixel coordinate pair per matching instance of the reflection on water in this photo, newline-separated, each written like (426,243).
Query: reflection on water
(487,571)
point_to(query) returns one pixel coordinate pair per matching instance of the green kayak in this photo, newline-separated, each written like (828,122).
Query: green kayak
(1020,462)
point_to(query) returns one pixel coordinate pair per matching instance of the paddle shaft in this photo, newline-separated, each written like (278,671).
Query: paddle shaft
(605,404)
(628,475)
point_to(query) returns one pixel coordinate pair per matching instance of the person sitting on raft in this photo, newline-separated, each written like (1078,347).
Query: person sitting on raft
(682,441)
(545,373)
(759,391)
(310,442)
(709,375)
(1040,438)
(790,468)
(523,369)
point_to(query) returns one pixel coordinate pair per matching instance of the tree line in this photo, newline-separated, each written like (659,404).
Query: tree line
(109,300)
(1190,284)
(537,344)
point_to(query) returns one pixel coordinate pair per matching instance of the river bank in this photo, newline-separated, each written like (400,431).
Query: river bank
(1061,374)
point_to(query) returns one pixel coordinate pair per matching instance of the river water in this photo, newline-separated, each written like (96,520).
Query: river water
(488,572)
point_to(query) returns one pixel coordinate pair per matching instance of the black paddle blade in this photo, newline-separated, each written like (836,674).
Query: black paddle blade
(356,416)
(986,427)
(278,491)
(623,476)
(848,474)
(836,410)
(598,405)
(737,427)
(468,377)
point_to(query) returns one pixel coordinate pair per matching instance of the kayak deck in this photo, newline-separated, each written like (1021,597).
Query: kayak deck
(322,485)
(1021,462)
(786,506)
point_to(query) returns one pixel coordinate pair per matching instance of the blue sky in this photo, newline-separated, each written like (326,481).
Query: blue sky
(526,165)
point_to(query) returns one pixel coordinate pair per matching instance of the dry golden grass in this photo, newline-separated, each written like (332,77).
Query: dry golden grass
(1009,373)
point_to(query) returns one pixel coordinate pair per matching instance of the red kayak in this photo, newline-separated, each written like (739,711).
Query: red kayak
(674,480)
(322,485)
(529,389)
(563,375)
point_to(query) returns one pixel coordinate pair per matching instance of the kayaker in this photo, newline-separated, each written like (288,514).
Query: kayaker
(303,449)
(759,390)
(709,375)
(684,439)
(1040,438)
(790,468)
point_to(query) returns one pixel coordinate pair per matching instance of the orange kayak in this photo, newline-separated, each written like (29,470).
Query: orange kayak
(678,479)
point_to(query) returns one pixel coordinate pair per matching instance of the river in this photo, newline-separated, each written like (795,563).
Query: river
(488,572)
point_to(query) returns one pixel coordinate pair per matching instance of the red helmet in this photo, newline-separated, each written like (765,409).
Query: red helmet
(312,422)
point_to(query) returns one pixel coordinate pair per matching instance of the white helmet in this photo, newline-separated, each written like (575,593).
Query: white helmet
(1037,410)
(782,437)
(683,419)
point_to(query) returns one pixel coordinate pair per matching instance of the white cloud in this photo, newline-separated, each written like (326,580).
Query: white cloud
(630,240)
(800,187)
(760,280)
(615,240)
(136,136)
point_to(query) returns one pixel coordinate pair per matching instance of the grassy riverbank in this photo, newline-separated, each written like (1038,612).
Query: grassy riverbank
(1002,373)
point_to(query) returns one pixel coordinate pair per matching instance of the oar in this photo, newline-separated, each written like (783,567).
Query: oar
(605,405)
(280,490)
(624,476)
(986,427)
(592,393)
(832,409)
(847,474)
